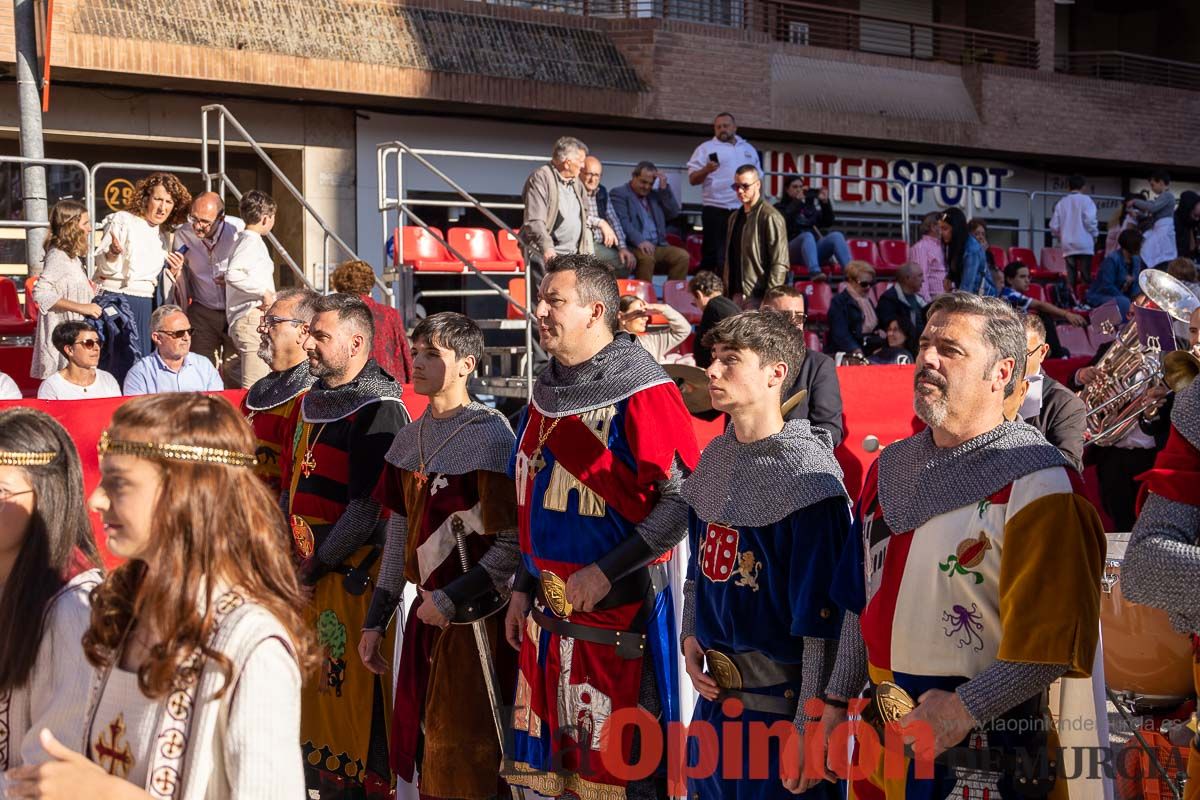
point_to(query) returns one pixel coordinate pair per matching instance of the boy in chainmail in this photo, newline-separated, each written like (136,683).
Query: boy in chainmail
(452,533)
(768,518)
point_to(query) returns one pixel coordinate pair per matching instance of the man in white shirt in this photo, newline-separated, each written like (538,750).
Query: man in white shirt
(714,164)
(1074,224)
(250,286)
(209,236)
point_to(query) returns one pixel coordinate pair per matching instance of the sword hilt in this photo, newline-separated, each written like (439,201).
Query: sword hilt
(460,537)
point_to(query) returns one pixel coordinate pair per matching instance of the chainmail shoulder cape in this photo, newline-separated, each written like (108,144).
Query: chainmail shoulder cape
(623,368)
(372,385)
(759,483)
(1185,415)
(919,480)
(484,443)
(276,388)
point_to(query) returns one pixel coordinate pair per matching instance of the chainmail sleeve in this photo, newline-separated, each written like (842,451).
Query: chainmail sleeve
(389,589)
(687,627)
(351,531)
(849,673)
(1162,564)
(1004,685)
(815,667)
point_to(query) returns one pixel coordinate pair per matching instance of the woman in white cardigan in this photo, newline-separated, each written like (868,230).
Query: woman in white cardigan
(198,639)
(47,568)
(62,291)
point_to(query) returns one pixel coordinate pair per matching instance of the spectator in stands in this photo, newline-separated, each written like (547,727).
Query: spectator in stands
(809,215)
(250,285)
(899,347)
(80,379)
(903,302)
(608,237)
(1116,278)
(390,347)
(643,207)
(712,167)
(1126,217)
(928,254)
(821,404)
(1184,269)
(1187,226)
(1016,284)
(853,322)
(1049,406)
(1194,331)
(635,315)
(9,389)
(172,367)
(62,292)
(137,246)
(1157,218)
(708,290)
(210,237)
(977,227)
(756,258)
(966,258)
(555,211)
(1073,223)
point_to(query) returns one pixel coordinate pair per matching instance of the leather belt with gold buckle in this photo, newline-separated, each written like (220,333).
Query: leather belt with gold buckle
(889,703)
(723,669)
(554,590)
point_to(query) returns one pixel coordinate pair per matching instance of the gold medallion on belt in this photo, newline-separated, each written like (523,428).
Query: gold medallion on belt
(891,702)
(724,671)
(554,589)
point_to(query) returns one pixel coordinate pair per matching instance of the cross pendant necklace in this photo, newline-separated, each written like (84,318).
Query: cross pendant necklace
(308,464)
(537,461)
(421,475)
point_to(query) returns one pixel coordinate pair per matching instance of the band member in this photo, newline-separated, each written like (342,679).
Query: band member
(197,640)
(769,518)
(949,603)
(273,403)
(47,570)
(599,458)
(446,483)
(348,420)
(1163,559)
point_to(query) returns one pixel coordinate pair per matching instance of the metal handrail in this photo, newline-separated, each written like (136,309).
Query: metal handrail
(224,115)
(1130,67)
(89,198)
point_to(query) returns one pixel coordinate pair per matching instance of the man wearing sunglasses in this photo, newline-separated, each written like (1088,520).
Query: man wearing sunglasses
(80,379)
(172,367)
(756,255)
(210,237)
(273,402)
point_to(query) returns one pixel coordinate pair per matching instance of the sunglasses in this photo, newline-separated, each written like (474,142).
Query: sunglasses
(90,344)
(742,187)
(177,334)
(865,284)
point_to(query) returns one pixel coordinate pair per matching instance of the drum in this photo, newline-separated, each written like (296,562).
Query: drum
(1144,657)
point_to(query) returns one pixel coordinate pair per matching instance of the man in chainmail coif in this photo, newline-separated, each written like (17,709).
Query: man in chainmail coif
(972,576)
(768,520)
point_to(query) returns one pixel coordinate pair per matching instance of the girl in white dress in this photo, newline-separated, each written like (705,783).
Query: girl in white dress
(198,639)
(47,568)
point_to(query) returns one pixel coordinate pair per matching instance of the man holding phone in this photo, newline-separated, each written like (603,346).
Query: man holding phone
(713,165)
(643,207)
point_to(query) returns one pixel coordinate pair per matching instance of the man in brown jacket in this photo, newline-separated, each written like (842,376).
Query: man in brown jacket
(756,255)
(555,209)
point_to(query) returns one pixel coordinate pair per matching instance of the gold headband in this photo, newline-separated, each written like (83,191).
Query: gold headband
(26,459)
(176,452)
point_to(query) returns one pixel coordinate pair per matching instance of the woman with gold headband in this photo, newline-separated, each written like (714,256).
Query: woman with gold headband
(197,639)
(47,568)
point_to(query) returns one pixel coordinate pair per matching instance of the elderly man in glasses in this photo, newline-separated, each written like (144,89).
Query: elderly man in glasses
(756,253)
(209,237)
(172,367)
(273,402)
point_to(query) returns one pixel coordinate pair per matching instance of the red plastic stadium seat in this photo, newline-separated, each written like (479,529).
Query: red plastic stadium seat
(425,253)
(677,297)
(642,289)
(510,248)
(863,250)
(878,288)
(516,288)
(694,245)
(1054,265)
(12,318)
(892,253)
(998,256)
(1037,292)
(1022,254)
(817,298)
(479,245)
(31,308)
(674,240)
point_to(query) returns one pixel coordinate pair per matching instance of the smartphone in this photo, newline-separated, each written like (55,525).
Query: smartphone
(713,158)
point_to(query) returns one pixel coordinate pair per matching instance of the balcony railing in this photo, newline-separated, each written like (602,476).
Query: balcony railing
(817,25)
(1113,65)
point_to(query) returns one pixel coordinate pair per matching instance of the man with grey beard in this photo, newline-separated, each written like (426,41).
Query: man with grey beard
(971,580)
(273,401)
